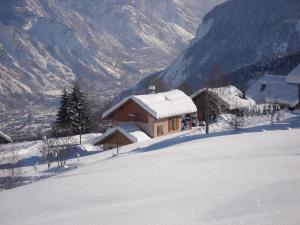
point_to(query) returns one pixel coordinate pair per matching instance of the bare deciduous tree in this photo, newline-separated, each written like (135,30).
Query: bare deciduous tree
(186,88)
(217,77)
(59,146)
(12,158)
(215,85)
(47,152)
(9,174)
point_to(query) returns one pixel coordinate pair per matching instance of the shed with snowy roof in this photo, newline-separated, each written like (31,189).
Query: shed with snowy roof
(227,99)
(274,89)
(5,139)
(121,135)
(294,79)
(155,114)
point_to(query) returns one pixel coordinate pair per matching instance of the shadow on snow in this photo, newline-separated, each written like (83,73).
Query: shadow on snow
(291,123)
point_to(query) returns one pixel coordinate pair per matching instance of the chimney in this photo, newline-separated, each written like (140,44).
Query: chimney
(152,89)
(244,94)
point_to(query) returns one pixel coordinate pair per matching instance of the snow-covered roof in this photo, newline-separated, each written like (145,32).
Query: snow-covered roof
(6,137)
(131,131)
(230,96)
(294,76)
(160,105)
(276,90)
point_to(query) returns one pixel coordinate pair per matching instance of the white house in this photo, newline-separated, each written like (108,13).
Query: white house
(293,78)
(274,89)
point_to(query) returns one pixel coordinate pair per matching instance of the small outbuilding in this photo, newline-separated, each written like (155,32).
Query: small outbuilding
(227,99)
(293,78)
(274,89)
(121,135)
(5,139)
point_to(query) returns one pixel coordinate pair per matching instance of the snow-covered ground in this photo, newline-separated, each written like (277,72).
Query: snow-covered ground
(28,156)
(249,176)
(30,148)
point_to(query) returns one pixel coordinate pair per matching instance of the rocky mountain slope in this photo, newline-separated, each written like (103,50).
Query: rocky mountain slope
(232,35)
(47,44)
(282,65)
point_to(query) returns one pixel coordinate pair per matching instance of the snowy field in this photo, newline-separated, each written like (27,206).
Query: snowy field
(249,176)
(30,166)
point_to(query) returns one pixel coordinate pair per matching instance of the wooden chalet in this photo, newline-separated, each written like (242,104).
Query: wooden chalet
(141,116)
(225,99)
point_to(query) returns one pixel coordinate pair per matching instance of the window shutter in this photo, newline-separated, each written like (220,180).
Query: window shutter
(177,123)
(170,125)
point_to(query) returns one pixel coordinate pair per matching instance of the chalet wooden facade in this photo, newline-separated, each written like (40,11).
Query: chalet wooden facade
(210,107)
(223,99)
(153,114)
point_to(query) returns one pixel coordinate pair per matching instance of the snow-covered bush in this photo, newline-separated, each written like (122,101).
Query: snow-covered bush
(185,122)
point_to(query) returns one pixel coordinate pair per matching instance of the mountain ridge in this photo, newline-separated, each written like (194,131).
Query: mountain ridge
(48,44)
(234,34)
(45,45)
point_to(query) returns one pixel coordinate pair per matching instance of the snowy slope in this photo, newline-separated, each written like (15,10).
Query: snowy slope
(31,148)
(240,178)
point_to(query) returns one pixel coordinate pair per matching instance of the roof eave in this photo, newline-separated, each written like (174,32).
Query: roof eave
(114,108)
(197,93)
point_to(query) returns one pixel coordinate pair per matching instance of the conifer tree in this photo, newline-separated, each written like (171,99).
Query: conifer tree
(74,112)
(82,113)
(65,112)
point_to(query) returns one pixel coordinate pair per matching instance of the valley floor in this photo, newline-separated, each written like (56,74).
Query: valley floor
(232,177)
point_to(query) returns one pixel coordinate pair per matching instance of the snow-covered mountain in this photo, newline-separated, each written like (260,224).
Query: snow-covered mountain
(234,34)
(47,44)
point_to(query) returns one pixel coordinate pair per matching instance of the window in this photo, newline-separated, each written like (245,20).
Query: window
(173,124)
(174,120)
(134,117)
(131,116)
(263,87)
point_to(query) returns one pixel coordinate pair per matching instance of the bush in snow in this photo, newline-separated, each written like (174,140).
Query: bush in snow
(185,122)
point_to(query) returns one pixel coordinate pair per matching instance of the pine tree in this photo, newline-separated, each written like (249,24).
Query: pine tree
(82,117)
(74,113)
(65,112)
